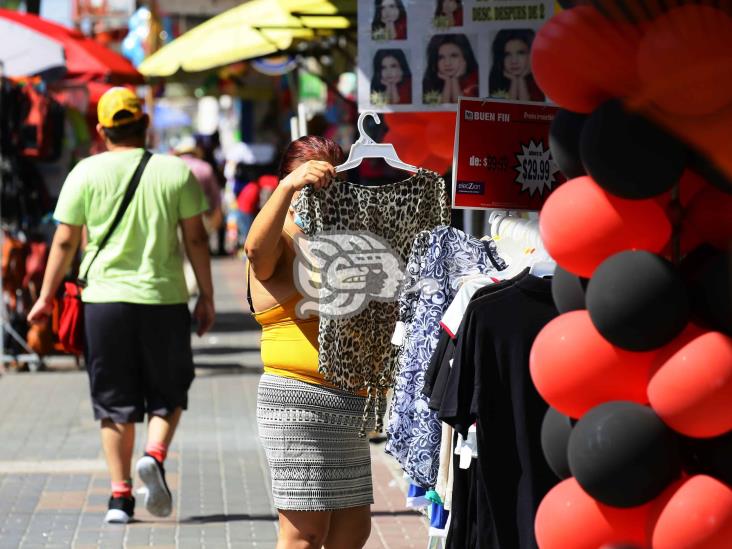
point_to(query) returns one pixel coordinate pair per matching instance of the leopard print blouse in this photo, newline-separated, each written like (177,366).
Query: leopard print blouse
(356,352)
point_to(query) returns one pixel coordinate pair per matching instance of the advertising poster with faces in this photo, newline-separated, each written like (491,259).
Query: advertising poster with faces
(421,55)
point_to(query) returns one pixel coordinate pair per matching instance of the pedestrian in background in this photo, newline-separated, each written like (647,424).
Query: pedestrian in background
(189,152)
(247,198)
(212,153)
(137,323)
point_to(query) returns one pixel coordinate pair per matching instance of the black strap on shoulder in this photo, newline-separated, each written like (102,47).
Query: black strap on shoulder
(129,193)
(249,287)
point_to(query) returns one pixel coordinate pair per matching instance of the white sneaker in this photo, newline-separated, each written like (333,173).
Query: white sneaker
(158,499)
(120,510)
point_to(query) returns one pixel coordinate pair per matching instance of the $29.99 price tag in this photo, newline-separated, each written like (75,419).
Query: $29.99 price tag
(536,168)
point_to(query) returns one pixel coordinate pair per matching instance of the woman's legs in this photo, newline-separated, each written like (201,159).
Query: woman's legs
(340,529)
(349,528)
(303,529)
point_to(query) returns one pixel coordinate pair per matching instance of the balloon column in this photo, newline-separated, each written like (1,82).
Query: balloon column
(638,367)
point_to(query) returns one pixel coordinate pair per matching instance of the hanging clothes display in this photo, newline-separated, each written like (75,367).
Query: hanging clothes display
(414,431)
(356,352)
(489,384)
(469,312)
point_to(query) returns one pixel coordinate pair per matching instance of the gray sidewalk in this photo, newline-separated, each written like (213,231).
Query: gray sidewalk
(53,484)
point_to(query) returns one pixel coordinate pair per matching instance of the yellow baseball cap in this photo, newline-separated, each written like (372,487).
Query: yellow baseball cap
(116,100)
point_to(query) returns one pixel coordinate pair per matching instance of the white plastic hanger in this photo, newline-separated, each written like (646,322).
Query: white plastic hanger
(365,147)
(519,243)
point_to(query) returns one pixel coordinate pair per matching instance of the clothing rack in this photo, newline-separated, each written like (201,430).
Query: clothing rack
(523,231)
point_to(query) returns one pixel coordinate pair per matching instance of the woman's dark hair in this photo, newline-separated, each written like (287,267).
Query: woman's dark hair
(376,24)
(376,85)
(431,81)
(441,3)
(309,147)
(134,131)
(496,79)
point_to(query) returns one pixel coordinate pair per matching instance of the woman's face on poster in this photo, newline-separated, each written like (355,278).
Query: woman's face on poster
(449,7)
(516,59)
(389,11)
(391,70)
(451,61)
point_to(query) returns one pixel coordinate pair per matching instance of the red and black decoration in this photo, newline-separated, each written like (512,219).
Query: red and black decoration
(638,367)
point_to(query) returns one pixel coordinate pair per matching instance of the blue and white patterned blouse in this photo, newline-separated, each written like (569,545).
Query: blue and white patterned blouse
(414,431)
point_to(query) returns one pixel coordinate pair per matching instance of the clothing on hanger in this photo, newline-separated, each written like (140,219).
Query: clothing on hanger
(489,383)
(356,351)
(443,484)
(413,430)
(454,314)
(409,294)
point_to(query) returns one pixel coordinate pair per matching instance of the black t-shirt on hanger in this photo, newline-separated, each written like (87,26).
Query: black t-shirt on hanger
(436,376)
(467,528)
(490,383)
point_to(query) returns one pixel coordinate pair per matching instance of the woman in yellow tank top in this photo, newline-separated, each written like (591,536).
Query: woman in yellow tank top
(320,466)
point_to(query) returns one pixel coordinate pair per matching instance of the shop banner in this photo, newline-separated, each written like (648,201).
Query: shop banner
(421,55)
(502,158)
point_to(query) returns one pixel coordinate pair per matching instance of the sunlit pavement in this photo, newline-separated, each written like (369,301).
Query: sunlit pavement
(53,485)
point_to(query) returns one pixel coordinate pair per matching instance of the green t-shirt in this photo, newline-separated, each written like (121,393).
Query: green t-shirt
(142,261)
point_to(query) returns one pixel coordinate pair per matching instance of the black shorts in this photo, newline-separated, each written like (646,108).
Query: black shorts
(138,358)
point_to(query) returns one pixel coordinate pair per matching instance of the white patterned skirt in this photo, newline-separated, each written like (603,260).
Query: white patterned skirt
(310,435)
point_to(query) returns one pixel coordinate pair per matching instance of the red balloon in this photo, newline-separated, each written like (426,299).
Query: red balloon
(570,519)
(582,225)
(684,60)
(697,516)
(709,217)
(661,356)
(692,391)
(565,58)
(574,368)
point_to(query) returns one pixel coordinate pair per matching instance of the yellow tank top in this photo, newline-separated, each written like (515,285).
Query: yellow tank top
(289,345)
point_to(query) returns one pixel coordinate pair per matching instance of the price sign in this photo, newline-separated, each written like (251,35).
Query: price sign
(502,157)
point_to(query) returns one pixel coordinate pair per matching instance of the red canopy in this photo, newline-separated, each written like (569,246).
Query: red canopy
(85,58)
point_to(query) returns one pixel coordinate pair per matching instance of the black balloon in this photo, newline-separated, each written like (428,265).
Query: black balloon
(568,290)
(564,142)
(709,456)
(622,454)
(629,156)
(696,262)
(711,293)
(713,175)
(637,300)
(555,431)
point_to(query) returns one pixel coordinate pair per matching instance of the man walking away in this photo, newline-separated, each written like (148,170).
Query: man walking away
(137,323)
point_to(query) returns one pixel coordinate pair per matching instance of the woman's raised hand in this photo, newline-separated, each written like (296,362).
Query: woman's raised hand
(317,173)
